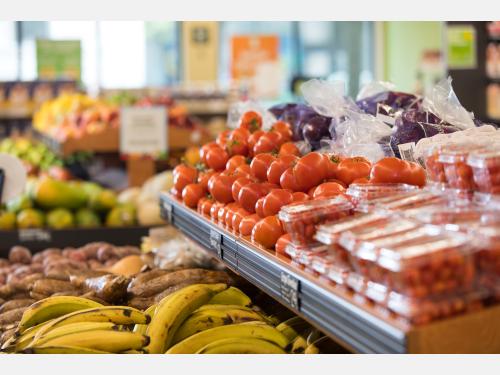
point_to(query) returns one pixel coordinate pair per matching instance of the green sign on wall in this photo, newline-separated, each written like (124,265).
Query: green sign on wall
(461,47)
(58,59)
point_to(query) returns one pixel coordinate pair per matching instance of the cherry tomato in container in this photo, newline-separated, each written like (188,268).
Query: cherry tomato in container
(237,185)
(267,232)
(221,189)
(350,169)
(222,138)
(204,177)
(234,162)
(204,149)
(389,170)
(282,243)
(250,194)
(260,164)
(259,207)
(299,196)
(217,158)
(310,170)
(251,120)
(243,170)
(191,194)
(328,189)
(214,210)
(252,140)
(276,199)
(247,224)
(279,166)
(239,214)
(283,128)
(184,175)
(289,182)
(289,148)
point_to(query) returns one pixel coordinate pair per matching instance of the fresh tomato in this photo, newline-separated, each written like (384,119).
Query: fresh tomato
(269,142)
(288,181)
(243,170)
(260,164)
(259,207)
(199,206)
(217,158)
(222,138)
(204,149)
(239,214)
(311,191)
(249,194)
(276,199)
(341,183)
(191,194)
(234,162)
(389,170)
(231,208)
(279,166)
(417,175)
(238,184)
(328,189)
(176,193)
(184,175)
(214,210)
(251,120)
(362,180)
(221,215)
(240,134)
(237,144)
(289,148)
(299,196)
(332,162)
(267,232)
(206,206)
(310,170)
(352,168)
(282,243)
(253,139)
(204,177)
(221,188)
(247,224)
(283,128)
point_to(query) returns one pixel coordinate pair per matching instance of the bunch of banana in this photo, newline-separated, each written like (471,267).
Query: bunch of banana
(76,325)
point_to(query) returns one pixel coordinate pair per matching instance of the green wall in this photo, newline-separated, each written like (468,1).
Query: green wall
(404,43)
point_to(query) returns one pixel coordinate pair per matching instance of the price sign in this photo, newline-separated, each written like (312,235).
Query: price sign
(143,131)
(289,289)
(215,242)
(34,235)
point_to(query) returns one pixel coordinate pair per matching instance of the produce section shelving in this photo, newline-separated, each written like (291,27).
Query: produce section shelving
(357,325)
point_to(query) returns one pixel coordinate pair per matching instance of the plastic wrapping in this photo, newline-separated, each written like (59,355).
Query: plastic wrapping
(486,169)
(487,257)
(367,192)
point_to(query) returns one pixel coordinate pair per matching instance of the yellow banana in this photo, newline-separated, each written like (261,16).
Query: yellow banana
(21,341)
(231,296)
(71,328)
(132,351)
(299,345)
(115,314)
(53,307)
(174,309)
(292,327)
(63,350)
(104,340)
(141,328)
(204,319)
(258,330)
(241,345)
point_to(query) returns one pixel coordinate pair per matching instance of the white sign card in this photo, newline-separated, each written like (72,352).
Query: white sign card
(143,130)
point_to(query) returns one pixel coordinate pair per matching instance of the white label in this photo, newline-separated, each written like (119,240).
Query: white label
(30,235)
(143,130)
(407,151)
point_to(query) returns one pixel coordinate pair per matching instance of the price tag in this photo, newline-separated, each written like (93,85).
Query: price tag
(32,235)
(167,212)
(289,289)
(143,131)
(215,242)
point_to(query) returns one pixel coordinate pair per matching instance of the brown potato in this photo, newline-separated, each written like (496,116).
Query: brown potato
(20,254)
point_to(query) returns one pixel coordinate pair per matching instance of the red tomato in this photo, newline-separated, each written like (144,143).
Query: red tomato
(249,194)
(234,162)
(260,164)
(389,170)
(238,184)
(191,194)
(239,214)
(353,168)
(289,148)
(184,175)
(269,142)
(338,182)
(237,147)
(204,149)
(221,188)
(199,206)
(332,165)
(276,199)
(288,181)
(417,175)
(176,193)
(222,138)
(231,208)
(362,180)
(282,243)
(251,120)
(300,197)
(283,128)
(252,140)
(217,158)
(207,205)
(247,224)
(311,191)
(267,232)
(221,215)
(328,189)
(204,177)
(214,210)
(243,170)
(259,207)
(310,170)
(279,166)
(241,134)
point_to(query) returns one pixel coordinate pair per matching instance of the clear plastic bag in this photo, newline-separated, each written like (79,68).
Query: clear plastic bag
(237,110)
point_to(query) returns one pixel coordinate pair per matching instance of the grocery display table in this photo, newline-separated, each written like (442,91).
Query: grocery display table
(356,324)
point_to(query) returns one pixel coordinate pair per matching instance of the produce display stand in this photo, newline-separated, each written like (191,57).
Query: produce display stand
(43,238)
(357,325)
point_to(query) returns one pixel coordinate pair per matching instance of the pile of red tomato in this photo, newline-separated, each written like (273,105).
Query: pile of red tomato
(248,174)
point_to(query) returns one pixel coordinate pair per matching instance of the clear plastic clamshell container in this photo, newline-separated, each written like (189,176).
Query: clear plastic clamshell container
(487,257)
(368,192)
(486,169)
(300,219)
(434,168)
(328,265)
(401,201)
(303,254)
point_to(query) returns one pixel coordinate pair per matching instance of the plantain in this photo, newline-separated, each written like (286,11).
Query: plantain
(241,345)
(231,296)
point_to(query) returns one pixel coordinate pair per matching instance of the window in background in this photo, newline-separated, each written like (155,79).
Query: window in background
(162,53)
(8,51)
